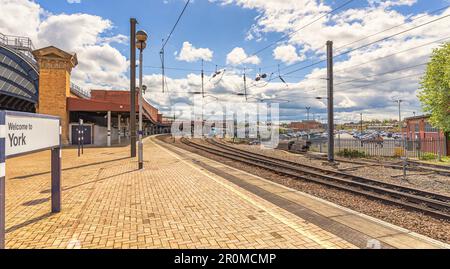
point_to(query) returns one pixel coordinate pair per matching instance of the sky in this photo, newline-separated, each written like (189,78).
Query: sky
(289,37)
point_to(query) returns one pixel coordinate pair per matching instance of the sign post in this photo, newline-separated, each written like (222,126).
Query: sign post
(24,133)
(80,137)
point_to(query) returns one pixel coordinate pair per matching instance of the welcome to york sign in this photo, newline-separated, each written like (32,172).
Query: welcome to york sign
(26,134)
(23,133)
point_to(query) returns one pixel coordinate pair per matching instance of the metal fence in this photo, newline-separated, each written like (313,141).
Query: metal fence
(80,91)
(18,42)
(421,149)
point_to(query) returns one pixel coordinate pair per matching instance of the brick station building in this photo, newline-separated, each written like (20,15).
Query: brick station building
(107,112)
(39,81)
(418,129)
(307,125)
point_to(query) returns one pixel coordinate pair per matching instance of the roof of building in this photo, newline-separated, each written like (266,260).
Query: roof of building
(112,100)
(18,80)
(420,117)
(54,52)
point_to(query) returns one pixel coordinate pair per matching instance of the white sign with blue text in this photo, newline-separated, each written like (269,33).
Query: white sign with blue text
(28,134)
(22,133)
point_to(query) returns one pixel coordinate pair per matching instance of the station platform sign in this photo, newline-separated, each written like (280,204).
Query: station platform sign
(25,133)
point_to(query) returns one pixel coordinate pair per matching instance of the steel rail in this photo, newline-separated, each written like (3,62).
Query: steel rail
(432,195)
(425,205)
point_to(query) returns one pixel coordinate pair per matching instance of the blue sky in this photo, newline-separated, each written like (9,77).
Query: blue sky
(204,24)
(226,29)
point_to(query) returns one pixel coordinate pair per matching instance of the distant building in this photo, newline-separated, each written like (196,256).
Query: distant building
(419,129)
(304,126)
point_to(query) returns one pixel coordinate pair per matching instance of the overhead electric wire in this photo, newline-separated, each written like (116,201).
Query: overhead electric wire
(295,31)
(383,81)
(371,43)
(390,55)
(348,51)
(393,35)
(337,70)
(341,70)
(177,68)
(259,51)
(381,74)
(366,45)
(176,23)
(162,52)
(393,27)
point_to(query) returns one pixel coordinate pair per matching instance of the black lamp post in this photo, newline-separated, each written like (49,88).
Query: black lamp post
(141,39)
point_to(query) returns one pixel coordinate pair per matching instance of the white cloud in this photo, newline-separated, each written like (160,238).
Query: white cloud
(74,1)
(103,66)
(390,3)
(287,54)
(20,17)
(352,23)
(100,65)
(189,53)
(70,32)
(238,56)
(119,39)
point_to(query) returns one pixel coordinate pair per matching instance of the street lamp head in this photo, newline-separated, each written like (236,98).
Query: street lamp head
(141,45)
(141,36)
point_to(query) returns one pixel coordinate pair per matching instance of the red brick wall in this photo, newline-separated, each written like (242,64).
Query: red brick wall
(307,125)
(429,140)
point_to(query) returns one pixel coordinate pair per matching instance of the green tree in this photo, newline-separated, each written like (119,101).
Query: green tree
(435,89)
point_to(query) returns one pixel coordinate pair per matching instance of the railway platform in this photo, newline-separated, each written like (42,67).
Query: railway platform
(180,200)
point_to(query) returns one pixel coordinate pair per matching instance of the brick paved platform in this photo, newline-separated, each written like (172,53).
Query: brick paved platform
(180,200)
(359,229)
(171,204)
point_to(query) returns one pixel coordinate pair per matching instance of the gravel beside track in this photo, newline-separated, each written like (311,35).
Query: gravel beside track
(424,180)
(414,221)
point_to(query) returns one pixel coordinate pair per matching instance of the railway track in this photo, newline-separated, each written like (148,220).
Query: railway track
(429,203)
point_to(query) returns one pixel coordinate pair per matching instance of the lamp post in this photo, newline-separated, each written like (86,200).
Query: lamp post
(132,119)
(141,39)
(307,111)
(245,85)
(399,101)
(330,94)
(361,123)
